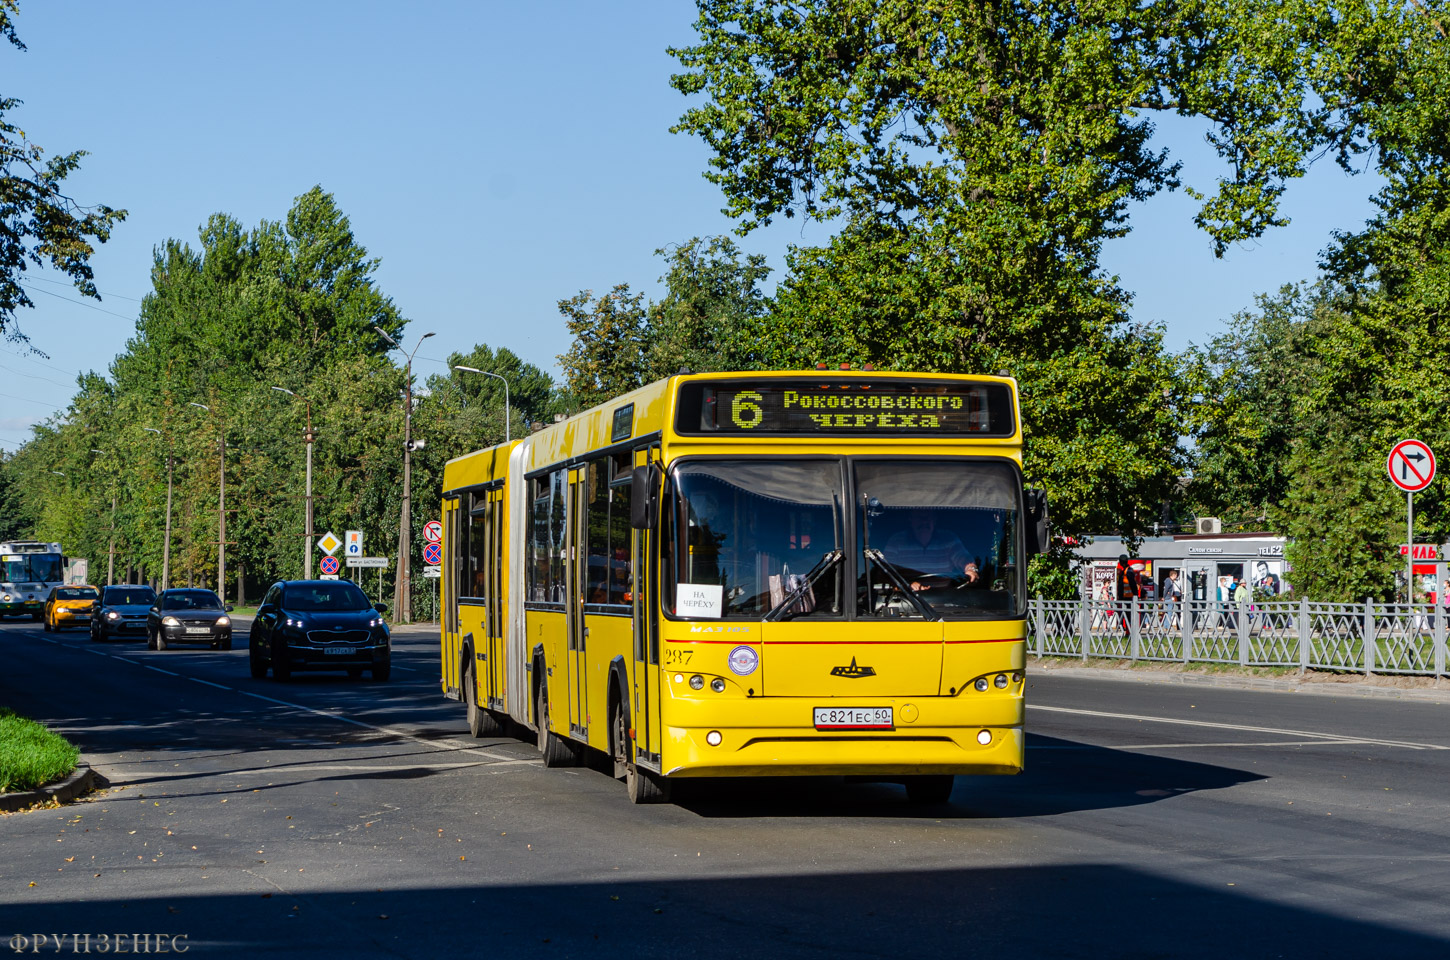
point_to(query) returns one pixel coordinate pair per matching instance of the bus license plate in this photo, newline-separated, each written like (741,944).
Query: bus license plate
(339,651)
(853,718)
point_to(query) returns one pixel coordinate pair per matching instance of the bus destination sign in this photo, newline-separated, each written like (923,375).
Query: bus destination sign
(874,407)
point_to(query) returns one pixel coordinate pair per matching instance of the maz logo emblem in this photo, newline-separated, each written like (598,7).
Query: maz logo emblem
(853,672)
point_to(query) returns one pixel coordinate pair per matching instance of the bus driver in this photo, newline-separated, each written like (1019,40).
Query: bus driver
(925,550)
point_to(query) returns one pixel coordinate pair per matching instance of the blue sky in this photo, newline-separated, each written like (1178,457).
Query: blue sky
(497,157)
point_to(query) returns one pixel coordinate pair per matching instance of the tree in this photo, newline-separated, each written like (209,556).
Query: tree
(712,311)
(974,160)
(40,224)
(608,355)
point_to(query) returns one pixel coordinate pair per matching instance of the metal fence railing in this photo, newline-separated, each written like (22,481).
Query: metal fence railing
(1360,637)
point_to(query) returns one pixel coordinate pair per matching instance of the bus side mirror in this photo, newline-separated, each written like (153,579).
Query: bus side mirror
(644,497)
(1038,535)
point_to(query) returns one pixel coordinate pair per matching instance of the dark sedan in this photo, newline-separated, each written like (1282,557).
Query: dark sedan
(122,612)
(319,625)
(188,616)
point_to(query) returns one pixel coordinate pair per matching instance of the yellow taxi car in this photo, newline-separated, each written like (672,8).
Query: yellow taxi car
(67,606)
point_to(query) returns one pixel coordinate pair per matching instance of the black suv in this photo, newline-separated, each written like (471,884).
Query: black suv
(319,625)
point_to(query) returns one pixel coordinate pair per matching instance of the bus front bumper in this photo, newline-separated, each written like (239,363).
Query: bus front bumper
(945,736)
(12,607)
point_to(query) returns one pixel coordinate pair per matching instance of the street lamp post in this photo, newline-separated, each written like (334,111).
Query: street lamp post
(221,516)
(166,543)
(111,550)
(307,438)
(506,418)
(402,587)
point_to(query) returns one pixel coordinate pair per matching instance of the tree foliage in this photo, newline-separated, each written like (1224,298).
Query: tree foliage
(286,304)
(712,317)
(40,224)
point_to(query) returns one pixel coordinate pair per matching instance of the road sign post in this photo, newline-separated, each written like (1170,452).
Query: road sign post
(1412,466)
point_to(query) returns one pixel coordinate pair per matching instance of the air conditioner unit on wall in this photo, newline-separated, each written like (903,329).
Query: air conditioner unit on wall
(1207,525)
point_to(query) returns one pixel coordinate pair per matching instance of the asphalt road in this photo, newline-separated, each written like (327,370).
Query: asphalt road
(336,817)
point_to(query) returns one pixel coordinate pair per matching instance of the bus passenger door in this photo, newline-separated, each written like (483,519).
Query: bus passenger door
(452,682)
(645,712)
(497,517)
(574,587)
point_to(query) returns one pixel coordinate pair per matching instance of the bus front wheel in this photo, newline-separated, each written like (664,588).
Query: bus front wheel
(641,785)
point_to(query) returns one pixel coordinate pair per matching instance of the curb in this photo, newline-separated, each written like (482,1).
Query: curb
(81,780)
(1354,689)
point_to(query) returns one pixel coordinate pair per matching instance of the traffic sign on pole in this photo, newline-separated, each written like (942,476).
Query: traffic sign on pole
(380,562)
(329,565)
(328,543)
(433,531)
(1411,465)
(352,539)
(432,554)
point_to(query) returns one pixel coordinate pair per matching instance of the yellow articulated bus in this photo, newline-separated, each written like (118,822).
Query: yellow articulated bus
(752,575)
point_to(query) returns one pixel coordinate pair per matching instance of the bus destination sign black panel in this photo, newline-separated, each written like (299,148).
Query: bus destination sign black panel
(853,407)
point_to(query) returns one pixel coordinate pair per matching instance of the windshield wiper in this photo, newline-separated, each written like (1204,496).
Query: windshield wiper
(827,561)
(898,581)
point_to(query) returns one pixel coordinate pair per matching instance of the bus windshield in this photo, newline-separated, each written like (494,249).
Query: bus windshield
(937,539)
(747,533)
(30,568)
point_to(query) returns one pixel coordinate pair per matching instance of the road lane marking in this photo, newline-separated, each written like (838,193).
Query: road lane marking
(1313,734)
(1175,746)
(440,745)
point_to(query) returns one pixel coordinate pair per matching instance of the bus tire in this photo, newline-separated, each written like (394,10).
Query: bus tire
(934,788)
(619,745)
(644,786)
(555,751)
(481,722)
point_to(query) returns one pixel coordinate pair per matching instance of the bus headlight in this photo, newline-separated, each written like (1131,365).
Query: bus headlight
(1001,681)
(981,684)
(718,685)
(697,682)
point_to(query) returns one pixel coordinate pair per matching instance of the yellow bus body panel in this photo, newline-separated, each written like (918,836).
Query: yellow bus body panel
(925,671)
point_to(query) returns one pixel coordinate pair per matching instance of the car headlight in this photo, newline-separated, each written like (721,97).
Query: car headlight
(223,621)
(7,598)
(112,615)
(170,622)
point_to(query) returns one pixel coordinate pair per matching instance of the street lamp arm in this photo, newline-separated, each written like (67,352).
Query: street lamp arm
(507,433)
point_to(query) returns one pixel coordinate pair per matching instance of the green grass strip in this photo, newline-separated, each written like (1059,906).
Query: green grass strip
(30,755)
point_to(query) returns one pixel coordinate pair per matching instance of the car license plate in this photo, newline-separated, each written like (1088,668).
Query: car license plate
(339,651)
(198,629)
(854,718)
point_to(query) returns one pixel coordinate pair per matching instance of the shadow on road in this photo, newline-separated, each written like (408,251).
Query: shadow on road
(1078,911)
(1062,776)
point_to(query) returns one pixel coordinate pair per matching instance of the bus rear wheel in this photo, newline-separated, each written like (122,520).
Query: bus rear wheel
(555,751)
(481,722)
